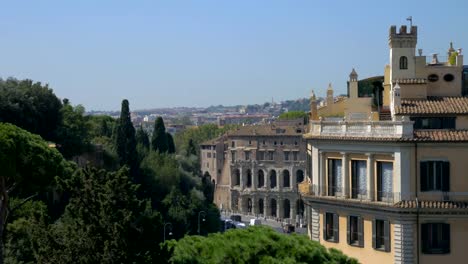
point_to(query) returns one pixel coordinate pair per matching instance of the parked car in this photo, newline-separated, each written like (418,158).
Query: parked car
(289,228)
(236,218)
(254,222)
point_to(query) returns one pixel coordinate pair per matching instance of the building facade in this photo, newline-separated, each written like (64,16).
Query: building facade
(258,170)
(388,183)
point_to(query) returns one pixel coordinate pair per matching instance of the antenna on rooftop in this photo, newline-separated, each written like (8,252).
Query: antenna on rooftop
(410,19)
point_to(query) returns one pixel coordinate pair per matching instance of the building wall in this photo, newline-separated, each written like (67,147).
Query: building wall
(336,109)
(366,254)
(456,154)
(442,87)
(462,122)
(413,91)
(458,241)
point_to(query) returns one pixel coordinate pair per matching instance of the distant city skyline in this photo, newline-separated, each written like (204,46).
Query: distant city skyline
(199,53)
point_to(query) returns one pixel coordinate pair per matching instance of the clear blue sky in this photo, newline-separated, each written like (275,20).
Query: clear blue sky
(206,52)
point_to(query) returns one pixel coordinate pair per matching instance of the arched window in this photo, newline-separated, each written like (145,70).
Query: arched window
(286,180)
(236,179)
(272,179)
(403,63)
(249,178)
(261,179)
(299,176)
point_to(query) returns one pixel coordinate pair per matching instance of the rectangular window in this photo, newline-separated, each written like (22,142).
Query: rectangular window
(358,178)
(295,155)
(208,155)
(355,232)
(435,238)
(384,181)
(435,176)
(381,235)
(271,155)
(334,176)
(433,122)
(247,155)
(214,155)
(331,228)
(286,155)
(233,144)
(261,155)
(233,156)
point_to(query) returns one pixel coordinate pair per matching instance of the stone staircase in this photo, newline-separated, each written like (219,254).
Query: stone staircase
(385,115)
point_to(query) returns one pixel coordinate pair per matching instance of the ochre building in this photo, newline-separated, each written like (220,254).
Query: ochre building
(388,182)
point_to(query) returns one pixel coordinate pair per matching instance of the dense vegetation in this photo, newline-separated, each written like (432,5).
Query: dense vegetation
(294,115)
(253,245)
(92,189)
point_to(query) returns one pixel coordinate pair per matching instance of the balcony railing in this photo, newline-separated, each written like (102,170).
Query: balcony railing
(355,195)
(377,129)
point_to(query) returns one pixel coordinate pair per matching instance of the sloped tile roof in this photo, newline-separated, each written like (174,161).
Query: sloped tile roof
(432,205)
(267,130)
(433,105)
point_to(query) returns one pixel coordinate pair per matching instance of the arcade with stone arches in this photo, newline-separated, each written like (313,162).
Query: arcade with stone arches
(273,206)
(267,178)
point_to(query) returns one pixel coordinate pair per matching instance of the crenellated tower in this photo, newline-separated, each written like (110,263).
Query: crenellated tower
(402,52)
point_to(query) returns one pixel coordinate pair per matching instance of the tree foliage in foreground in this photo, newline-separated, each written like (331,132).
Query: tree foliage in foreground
(257,244)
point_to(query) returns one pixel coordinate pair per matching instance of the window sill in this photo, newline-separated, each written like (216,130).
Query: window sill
(438,252)
(381,249)
(355,244)
(332,240)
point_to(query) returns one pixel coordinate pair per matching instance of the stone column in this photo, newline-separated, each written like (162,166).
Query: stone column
(345,175)
(279,208)
(254,205)
(293,211)
(322,181)
(279,182)
(241,171)
(370,177)
(266,206)
(240,204)
(254,178)
(267,179)
(293,179)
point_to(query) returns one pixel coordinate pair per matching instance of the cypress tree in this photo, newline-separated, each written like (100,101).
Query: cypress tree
(159,140)
(125,142)
(191,150)
(170,143)
(142,138)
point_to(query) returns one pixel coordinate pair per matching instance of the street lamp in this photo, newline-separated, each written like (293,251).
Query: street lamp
(170,231)
(200,214)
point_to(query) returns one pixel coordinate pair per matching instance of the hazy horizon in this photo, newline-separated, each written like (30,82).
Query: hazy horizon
(161,54)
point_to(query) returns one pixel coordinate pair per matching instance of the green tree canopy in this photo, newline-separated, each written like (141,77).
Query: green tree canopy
(293,115)
(31,106)
(125,142)
(142,137)
(159,140)
(29,165)
(257,244)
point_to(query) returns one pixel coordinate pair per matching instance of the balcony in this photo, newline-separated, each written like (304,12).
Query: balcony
(357,195)
(364,129)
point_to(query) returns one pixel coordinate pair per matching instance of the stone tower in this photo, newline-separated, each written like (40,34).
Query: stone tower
(402,52)
(313,107)
(330,99)
(353,84)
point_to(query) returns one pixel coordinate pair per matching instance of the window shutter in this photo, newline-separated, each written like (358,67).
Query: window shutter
(446,176)
(387,236)
(373,234)
(424,237)
(325,223)
(446,238)
(361,231)
(348,231)
(336,227)
(424,175)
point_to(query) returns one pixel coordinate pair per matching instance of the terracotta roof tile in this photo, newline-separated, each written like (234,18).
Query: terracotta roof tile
(433,105)
(411,204)
(267,130)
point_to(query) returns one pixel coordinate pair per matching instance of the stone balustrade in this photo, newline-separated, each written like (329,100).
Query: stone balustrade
(365,129)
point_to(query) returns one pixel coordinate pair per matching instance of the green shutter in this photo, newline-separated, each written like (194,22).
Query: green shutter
(374,242)
(348,231)
(424,175)
(446,176)
(361,231)
(336,228)
(387,236)
(446,238)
